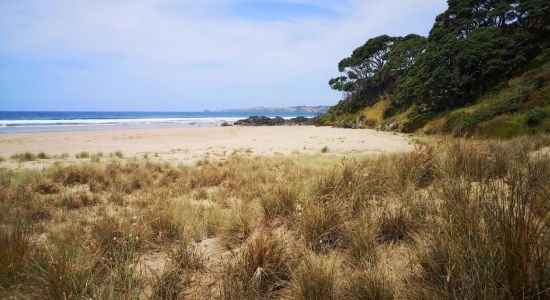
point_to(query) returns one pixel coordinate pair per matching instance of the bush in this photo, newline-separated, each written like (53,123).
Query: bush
(462,123)
(535,116)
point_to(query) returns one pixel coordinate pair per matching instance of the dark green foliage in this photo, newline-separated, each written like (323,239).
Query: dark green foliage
(461,123)
(472,47)
(535,116)
(374,68)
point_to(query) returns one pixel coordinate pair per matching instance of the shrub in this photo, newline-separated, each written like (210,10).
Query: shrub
(462,123)
(47,186)
(117,154)
(535,116)
(42,155)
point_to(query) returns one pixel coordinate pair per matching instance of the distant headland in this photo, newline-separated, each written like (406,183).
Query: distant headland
(289,109)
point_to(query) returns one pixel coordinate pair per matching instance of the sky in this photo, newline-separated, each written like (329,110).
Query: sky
(187,55)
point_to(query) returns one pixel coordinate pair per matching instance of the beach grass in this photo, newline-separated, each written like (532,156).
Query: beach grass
(459,218)
(82,155)
(29,156)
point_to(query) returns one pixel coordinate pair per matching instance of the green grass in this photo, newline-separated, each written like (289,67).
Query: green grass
(28,156)
(96,157)
(117,154)
(82,155)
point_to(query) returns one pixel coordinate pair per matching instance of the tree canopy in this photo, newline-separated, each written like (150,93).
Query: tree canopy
(473,45)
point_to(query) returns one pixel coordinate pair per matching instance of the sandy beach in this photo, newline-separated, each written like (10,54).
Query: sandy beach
(189,144)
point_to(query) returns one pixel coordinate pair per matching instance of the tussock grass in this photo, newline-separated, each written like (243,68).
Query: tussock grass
(279,202)
(263,267)
(82,155)
(464,219)
(28,156)
(315,278)
(367,283)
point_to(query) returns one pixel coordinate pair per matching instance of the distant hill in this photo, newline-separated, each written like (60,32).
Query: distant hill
(290,109)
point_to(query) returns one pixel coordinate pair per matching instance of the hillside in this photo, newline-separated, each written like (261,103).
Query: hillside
(484,70)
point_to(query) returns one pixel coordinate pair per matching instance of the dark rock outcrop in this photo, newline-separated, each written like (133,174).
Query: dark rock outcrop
(277,121)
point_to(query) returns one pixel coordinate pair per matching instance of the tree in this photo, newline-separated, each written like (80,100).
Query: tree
(362,68)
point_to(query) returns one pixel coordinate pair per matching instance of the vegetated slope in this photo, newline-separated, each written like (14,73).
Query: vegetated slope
(483,70)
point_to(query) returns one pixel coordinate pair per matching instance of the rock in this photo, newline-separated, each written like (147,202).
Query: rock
(393,126)
(347,125)
(422,109)
(277,121)
(300,121)
(379,127)
(225,124)
(360,123)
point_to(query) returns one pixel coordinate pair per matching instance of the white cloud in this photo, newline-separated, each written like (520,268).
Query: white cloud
(198,44)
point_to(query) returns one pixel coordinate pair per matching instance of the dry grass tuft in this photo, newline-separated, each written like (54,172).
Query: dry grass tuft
(315,278)
(366,283)
(279,202)
(263,267)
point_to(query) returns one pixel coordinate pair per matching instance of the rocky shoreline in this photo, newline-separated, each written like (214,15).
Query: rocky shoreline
(276,121)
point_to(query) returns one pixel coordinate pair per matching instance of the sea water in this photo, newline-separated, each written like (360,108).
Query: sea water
(36,121)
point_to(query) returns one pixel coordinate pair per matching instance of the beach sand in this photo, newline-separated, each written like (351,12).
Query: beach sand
(192,144)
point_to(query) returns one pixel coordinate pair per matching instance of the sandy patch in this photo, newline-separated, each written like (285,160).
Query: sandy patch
(191,144)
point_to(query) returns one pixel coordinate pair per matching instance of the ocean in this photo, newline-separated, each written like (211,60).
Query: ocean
(38,121)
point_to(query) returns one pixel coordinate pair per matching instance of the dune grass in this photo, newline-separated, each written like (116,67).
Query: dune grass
(457,219)
(29,156)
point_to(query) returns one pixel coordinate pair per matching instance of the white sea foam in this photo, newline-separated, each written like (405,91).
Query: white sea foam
(114,122)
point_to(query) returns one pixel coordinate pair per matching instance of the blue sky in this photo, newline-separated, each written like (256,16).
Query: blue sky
(168,55)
